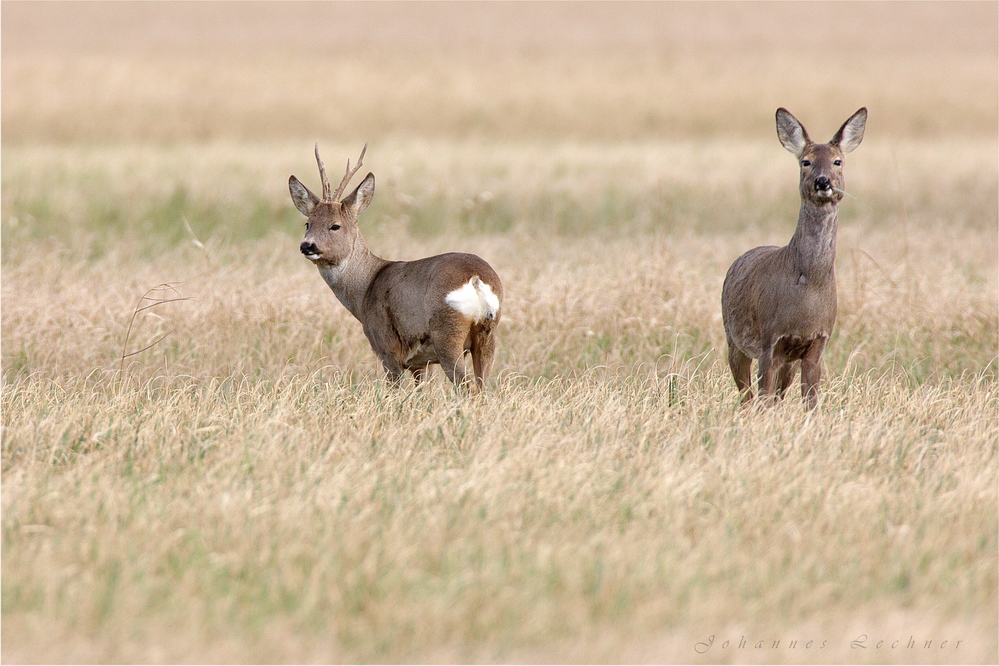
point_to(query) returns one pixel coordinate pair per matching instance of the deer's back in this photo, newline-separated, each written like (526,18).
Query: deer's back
(403,284)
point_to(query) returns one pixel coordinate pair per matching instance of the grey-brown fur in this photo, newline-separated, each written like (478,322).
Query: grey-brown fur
(779,303)
(401,304)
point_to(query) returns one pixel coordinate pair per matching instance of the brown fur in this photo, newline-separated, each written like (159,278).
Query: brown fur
(399,303)
(779,303)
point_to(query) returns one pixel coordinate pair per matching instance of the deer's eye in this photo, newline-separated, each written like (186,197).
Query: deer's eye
(837,162)
(806,163)
(334,227)
(306,226)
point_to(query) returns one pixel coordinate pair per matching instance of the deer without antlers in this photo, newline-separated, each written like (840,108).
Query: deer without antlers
(779,303)
(415,313)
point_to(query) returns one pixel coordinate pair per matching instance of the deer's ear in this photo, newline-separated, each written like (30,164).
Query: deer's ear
(359,199)
(305,201)
(851,133)
(791,133)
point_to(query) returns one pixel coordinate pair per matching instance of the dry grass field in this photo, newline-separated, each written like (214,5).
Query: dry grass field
(247,488)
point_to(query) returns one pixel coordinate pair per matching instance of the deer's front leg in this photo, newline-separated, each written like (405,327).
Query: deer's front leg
(421,375)
(811,371)
(770,365)
(393,369)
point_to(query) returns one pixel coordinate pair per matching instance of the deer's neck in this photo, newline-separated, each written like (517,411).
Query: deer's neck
(351,278)
(813,246)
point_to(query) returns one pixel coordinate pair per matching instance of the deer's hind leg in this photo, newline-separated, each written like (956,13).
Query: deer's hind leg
(483,350)
(448,332)
(785,376)
(772,361)
(741,366)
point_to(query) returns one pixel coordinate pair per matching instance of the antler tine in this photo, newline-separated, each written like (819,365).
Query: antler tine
(322,174)
(350,173)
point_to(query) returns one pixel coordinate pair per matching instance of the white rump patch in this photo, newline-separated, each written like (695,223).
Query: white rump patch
(474,299)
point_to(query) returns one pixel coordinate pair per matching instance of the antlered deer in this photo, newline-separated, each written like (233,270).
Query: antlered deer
(414,313)
(779,303)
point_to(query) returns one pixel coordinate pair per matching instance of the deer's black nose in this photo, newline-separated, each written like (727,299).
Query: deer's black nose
(822,183)
(308,248)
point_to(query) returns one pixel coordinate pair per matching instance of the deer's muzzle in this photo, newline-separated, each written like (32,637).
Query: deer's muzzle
(309,250)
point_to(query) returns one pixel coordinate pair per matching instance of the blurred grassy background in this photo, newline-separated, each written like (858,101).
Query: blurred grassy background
(174,72)
(123,118)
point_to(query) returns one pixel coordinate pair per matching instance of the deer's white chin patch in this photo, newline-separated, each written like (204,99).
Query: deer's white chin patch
(474,299)
(312,257)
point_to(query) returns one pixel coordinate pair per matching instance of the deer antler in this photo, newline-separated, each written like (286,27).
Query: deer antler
(350,174)
(322,175)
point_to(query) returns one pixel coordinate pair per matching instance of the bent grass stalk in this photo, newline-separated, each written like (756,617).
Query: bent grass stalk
(139,307)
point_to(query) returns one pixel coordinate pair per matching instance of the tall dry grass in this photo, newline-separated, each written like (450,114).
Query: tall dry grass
(249,489)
